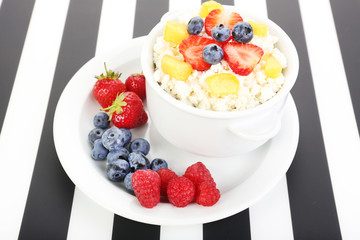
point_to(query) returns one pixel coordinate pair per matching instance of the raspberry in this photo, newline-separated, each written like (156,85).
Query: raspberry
(181,191)
(146,185)
(198,173)
(165,175)
(207,194)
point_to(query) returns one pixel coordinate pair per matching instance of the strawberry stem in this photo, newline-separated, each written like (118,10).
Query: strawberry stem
(116,106)
(109,74)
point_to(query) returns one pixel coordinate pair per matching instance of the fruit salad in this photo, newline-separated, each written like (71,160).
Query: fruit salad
(218,60)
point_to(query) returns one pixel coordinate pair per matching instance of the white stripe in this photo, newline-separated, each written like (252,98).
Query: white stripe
(116,27)
(23,125)
(190,232)
(342,143)
(274,205)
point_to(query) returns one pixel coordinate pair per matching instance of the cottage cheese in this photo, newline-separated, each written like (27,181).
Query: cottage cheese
(254,89)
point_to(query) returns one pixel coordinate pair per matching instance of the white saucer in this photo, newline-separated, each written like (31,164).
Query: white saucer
(242,180)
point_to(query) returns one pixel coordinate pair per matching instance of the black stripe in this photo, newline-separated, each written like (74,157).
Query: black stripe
(12,37)
(129,230)
(312,204)
(346,16)
(234,227)
(147,15)
(49,202)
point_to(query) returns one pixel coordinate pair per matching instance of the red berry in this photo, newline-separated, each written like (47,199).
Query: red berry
(192,50)
(146,185)
(165,175)
(207,194)
(136,83)
(217,17)
(181,191)
(242,57)
(198,173)
(127,111)
(108,87)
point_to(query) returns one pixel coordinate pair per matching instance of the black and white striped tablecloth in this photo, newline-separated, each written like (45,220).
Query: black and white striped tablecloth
(43,43)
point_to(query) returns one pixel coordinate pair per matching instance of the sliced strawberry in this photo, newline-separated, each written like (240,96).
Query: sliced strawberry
(191,48)
(242,57)
(217,16)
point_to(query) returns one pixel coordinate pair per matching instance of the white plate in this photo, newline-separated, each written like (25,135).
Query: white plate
(242,180)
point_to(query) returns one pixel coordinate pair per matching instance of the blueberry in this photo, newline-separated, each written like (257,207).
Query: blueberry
(115,138)
(140,145)
(116,154)
(242,32)
(94,134)
(158,163)
(117,170)
(101,120)
(212,53)
(99,152)
(137,161)
(221,33)
(195,25)
(127,182)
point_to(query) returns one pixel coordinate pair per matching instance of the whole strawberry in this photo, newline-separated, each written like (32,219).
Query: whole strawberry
(108,87)
(136,83)
(127,111)
(146,185)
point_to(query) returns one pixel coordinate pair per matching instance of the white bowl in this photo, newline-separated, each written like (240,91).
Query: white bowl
(210,133)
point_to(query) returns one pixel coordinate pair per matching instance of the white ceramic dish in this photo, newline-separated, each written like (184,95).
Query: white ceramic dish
(242,180)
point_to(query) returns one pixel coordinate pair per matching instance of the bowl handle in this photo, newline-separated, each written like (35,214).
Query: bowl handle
(269,131)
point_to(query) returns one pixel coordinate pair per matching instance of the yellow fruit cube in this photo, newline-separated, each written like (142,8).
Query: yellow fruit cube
(223,84)
(176,68)
(175,32)
(259,29)
(272,67)
(208,6)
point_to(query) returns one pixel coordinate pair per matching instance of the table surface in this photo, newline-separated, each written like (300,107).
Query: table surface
(43,43)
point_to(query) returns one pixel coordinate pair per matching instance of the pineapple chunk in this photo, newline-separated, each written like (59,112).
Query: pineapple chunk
(176,68)
(175,32)
(259,29)
(208,6)
(223,84)
(272,67)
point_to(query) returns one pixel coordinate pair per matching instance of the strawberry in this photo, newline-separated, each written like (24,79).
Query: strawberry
(242,57)
(181,191)
(146,185)
(192,49)
(217,16)
(207,194)
(127,111)
(136,83)
(107,87)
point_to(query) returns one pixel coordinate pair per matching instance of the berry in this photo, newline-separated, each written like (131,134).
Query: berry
(127,182)
(146,185)
(101,120)
(136,83)
(181,191)
(127,111)
(198,173)
(207,194)
(165,175)
(217,16)
(99,152)
(138,161)
(158,163)
(195,25)
(117,170)
(115,138)
(213,54)
(94,134)
(108,87)
(140,145)
(221,33)
(116,154)
(242,32)
(192,50)
(242,57)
